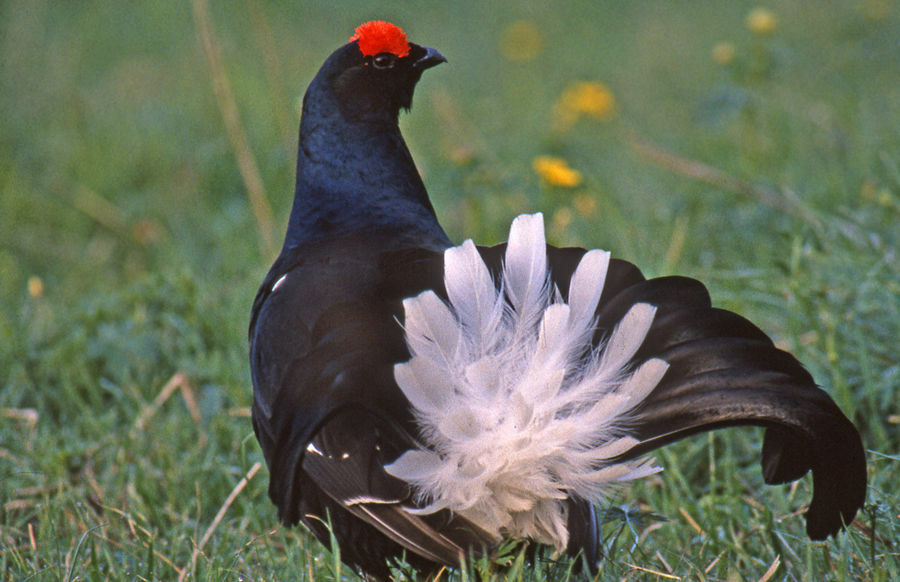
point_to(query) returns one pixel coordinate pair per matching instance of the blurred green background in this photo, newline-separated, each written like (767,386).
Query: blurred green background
(756,148)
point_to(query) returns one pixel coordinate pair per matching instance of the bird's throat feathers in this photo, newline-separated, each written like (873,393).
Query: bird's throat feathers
(355,175)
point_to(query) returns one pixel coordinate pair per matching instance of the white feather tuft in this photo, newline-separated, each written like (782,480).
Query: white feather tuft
(518,411)
(525,271)
(471,291)
(586,287)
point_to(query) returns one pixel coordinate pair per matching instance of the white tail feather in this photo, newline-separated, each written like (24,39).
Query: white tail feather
(424,383)
(525,270)
(525,273)
(627,337)
(518,411)
(432,330)
(586,287)
(471,291)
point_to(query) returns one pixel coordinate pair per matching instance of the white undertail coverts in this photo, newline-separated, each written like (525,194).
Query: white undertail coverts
(517,408)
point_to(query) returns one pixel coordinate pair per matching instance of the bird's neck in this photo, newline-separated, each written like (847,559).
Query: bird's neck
(356,177)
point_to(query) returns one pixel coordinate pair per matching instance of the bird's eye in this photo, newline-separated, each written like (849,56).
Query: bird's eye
(384,60)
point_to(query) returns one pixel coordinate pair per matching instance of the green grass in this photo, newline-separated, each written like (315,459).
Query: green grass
(129,256)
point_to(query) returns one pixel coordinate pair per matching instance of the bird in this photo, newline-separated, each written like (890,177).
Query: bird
(424,401)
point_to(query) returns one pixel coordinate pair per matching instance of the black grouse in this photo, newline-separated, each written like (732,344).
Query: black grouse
(428,400)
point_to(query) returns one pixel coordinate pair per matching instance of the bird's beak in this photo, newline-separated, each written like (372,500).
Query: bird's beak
(431,58)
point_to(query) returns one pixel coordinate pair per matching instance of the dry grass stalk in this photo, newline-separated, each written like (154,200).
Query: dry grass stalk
(218,518)
(783,201)
(235,128)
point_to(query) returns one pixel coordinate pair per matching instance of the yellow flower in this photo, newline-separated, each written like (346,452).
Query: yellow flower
(589,98)
(723,53)
(762,21)
(556,172)
(584,98)
(35,286)
(521,41)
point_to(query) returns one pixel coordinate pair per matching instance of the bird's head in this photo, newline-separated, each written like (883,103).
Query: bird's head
(374,75)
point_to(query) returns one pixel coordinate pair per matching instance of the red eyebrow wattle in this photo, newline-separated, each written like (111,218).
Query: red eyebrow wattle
(377,36)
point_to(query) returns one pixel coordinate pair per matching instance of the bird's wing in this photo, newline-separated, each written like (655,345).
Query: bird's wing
(346,459)
(327,412)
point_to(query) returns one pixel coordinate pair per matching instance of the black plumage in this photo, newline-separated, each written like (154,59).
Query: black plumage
(326,331)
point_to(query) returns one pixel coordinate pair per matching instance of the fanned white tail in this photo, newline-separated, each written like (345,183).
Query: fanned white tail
(517,410)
